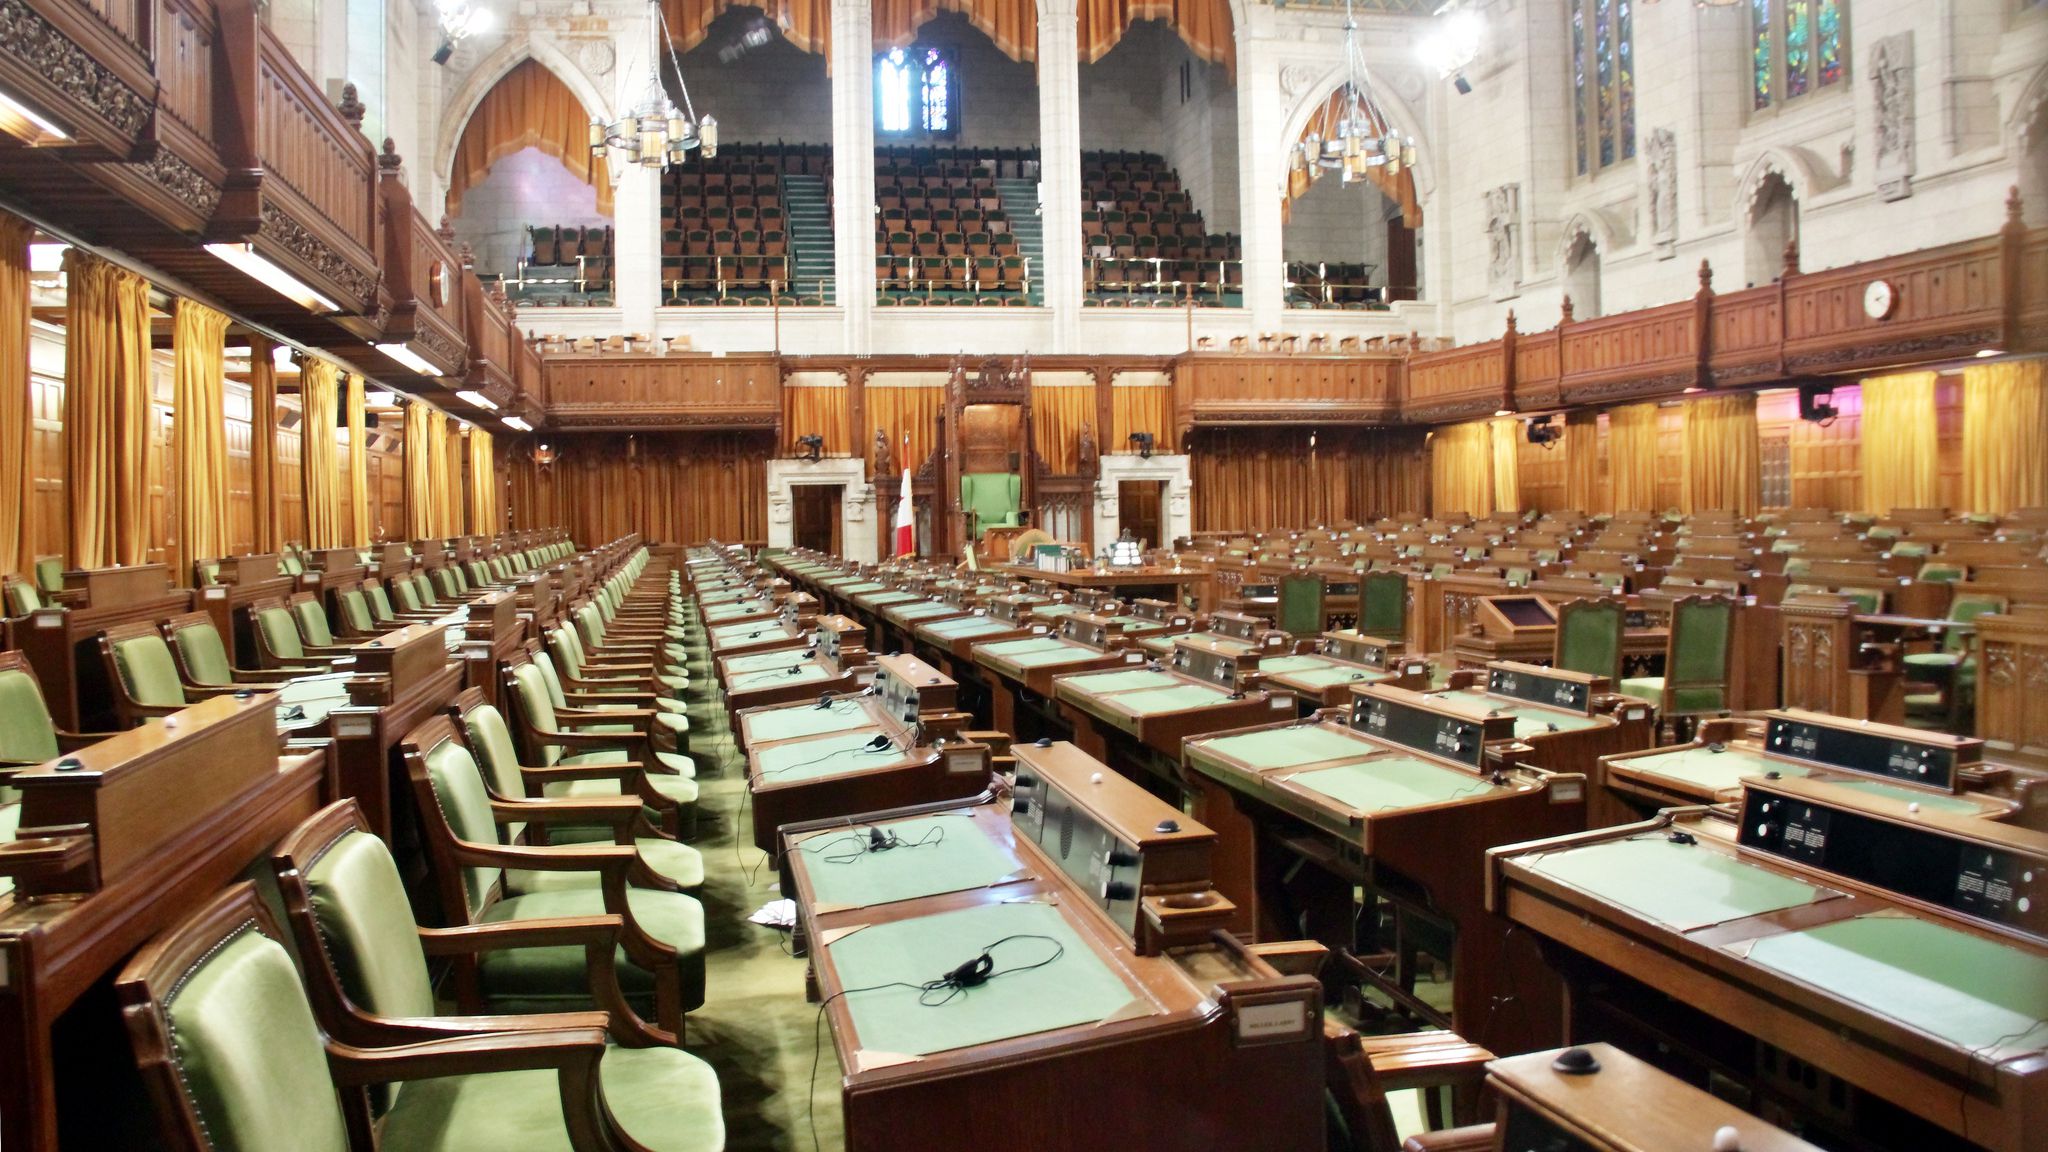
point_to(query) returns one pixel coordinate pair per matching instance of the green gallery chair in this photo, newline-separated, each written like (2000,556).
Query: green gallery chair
(1589,637)
(19,597)
(225,1038)
(1952,666)
(49,572)
(480,878)
(1696,655)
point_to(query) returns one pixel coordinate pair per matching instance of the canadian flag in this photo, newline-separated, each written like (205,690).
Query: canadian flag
(906,534)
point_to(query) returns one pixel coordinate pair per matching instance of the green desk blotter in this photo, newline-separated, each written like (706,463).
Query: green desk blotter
(735,611)
(1928,801)
(888,598)
(1129,680)
(822,758)
(1391,784)
(763,661)
(1157,644)
(1175,699)
(1030,645)
(863,586)
(891,1025)
(751,630)
(937,854)
(964,626)
(1052,657)
(1287,747)
(1683,886)
(775,678)
(1708,770)
(1291,664)
(1530,719)
(919,611)
(722,596)
(1989,998)
(799,721)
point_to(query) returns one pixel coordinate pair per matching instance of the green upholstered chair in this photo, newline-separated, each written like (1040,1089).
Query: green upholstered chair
(225,1038)
(1301,605)
(991,500)
(279,643)
(670,727)
(1951,667)
(448,582)
(1589,637)
(28,736)
(49,572)
(202,656)
(548,739)
(19,597)
(144,675)
(312,621)
(423,588)
(478,877)
(490,741)
(1696,654)
(664,653)
(579,672)
(1942,572)
(358,620)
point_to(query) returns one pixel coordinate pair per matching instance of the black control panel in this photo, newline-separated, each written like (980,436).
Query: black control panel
(1366,650)
(1226,670)
(1996,884)
(1926,763)
(1534,685)
(1235,625)
(1094,631)
(1409,726)
(1015,609)
(1109,870)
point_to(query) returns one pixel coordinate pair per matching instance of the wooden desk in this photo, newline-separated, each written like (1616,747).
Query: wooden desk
(63,643)
(243,581)
(1559,721)
(159,820)
(401,678)
(1155,582)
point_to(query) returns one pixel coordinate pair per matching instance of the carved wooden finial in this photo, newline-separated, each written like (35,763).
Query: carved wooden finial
(446,230)
(1791,257)
(1511,319)
(1567,308)
(2012,205)
(351,106)
(1706,275)
(388,159)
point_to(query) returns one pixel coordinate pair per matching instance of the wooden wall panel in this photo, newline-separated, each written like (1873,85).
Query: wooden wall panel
(672,487)
(46,401)
(241,512)
(291,504)
(1541,473)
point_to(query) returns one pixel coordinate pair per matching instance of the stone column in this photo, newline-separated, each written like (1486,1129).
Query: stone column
(1261,167)
(1059,172)
(636,195)
(853,167)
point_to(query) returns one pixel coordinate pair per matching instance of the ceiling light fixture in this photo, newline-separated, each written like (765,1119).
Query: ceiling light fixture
(380,399)
(1362,137)
(404,354)
(25,123)
(478,399)
(1454,43)
(244,258)
(655,133)
(459,21)
(519,423)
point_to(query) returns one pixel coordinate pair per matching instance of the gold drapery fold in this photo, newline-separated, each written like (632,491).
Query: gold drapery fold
(17,426)
(1461,469)
(437,473)
(529,107)
(1140,408)
(2005,436)
(1254,479)
(1058,413)
(199,445)
(1503,436)
(1322,123)
(483,484)
(455,463)
(679,487)
(267,535)
(1203,25)
(1900,443)
(319,459)
(361,531)
(807,24)
(419,474)
(106,412)
(1723,472)
(1582,460)
(1632,457)
(821,407)
(1011,24)
(914,409)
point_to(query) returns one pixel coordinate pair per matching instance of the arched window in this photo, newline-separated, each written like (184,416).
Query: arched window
(916,93)
(1796,47)
(1603,82)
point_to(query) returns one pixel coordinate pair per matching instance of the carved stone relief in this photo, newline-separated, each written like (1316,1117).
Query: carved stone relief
(1504,240)
(1660,166)
(1891,86)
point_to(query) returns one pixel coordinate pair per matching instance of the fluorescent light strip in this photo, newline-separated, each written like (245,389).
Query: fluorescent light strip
(411,359)
(519,423)
(11,108)
(477,398)
(380,399)
(258,268)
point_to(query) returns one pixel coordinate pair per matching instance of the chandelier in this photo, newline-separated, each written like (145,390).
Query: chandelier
(654,133)
(1360,135)
(458,20)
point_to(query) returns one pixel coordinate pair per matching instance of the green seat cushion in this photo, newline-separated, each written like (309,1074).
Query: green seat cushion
(148,671)
(680,864)
(1651,688)
(543,979)
(205,657)
(662,1097)
(27,735)
(1933,659)
(681,789)
(367,928)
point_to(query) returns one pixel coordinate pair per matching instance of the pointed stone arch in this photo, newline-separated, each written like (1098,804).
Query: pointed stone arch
(514,51)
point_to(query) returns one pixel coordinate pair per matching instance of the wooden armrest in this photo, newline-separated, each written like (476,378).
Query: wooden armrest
(577,1049)
(552,933)
(617,812)
(45,855)
(1424,1059)
(1292,957)
(623,773)
(1475,1138)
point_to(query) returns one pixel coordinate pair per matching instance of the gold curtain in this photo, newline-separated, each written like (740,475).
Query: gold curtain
(1012,24)
(361,530)
(1461,469)
(1323,122)
(17,428)
(1204,26)
(1722,469)
(319,463)
(199,445)
(438,504)
(1058,411)
(680,487)
(419,474)
(821,408)
(2005,437)
(529,107)
(805,23)
(483,484)
(1254,479)
(1582,460)
(1632,456)
(1900,443)
(1504,436)
(268,536)
(1140,408)
(899,409)
(106,413)
(455,458)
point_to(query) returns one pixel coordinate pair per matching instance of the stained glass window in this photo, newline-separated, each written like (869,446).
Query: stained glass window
(916,93)
(1796,48)
(1603,82)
